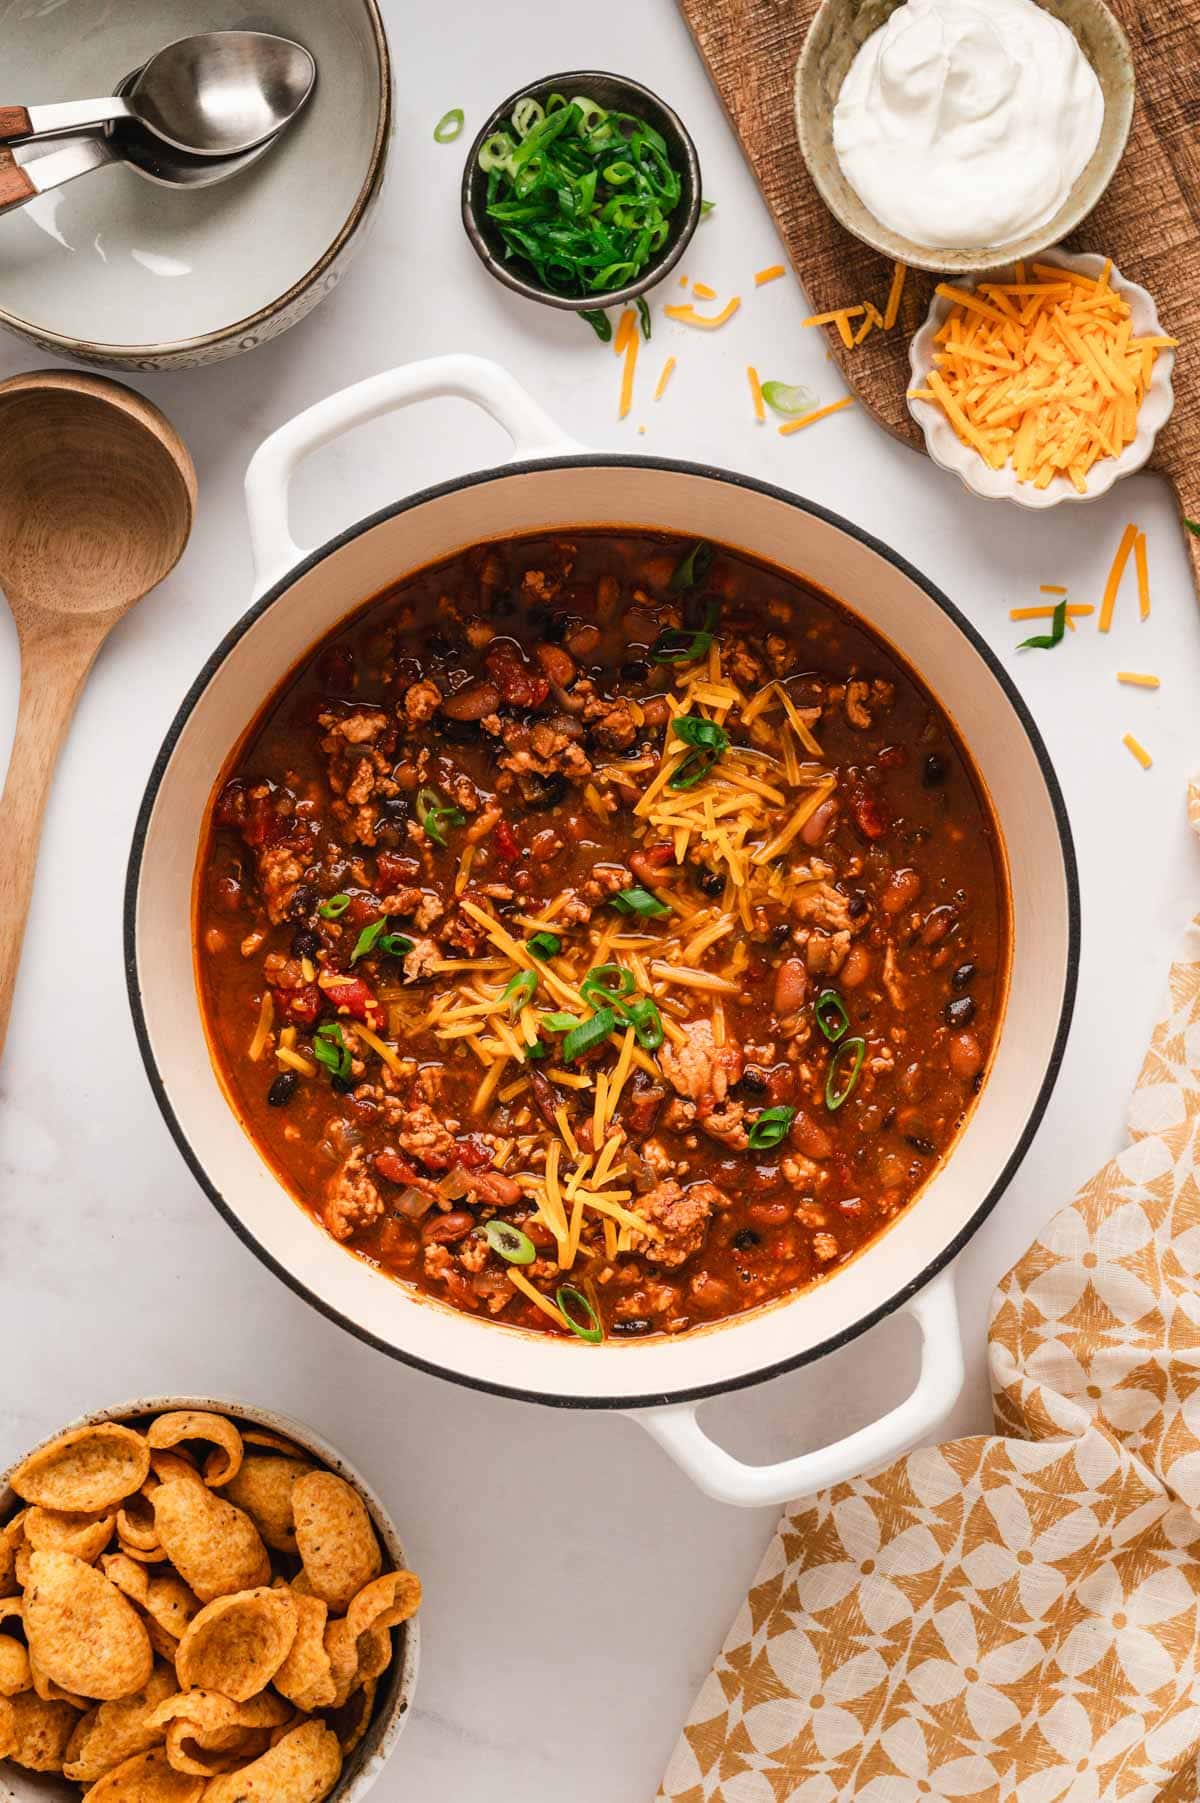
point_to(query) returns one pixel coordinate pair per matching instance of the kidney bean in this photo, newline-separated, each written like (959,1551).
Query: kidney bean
(965,1055)
(443,1230)
(769,1214)
(655,710)
(558,664)
(227,894)
(472,702)
(810,1138)
(791,986)
(519,685)
(497,1190)
(819,825)
(582,640)
(857,967)
(900,891)
(649,863)
(781,1084)
(938,924)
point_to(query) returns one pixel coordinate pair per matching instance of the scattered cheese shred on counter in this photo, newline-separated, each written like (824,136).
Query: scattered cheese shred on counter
(756,393)
(1045,374)
(1078,611)
(703,291)
(660,386)
(810,419)
(1139,751)
(1143,576)
(1052,588)
(1137,679)
(688,316)
(630,349)
(895,295)
(771,274)
(1109,598)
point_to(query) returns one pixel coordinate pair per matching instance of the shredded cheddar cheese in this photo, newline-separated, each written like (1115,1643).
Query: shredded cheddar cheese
(756,393)
(839,317)
(1137,680)
(1116,571)
(1139,751)
(810,419)
(770,274)
(660,386)
(1044,375)
(629,367)
(1143,576)
(688,316)
(895,295)
(703,290)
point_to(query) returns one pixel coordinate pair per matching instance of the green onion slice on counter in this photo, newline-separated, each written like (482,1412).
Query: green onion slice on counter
(708,741)
(693,568)
(644,315)
(334,908)
(449,126)
(1193,526)
(434,814)
(508,1241)
(844,1067)
(518,991)
(330,1049)
(706,207)
(588,1035)
(600,323)
(770,1127)
(831,1015)
(791,402)
(573,1303)
(639,901)
(1046,641)
(544,945)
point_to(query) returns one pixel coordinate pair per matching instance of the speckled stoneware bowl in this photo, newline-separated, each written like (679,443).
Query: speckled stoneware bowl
(394,1697)
(837,33)
(948,451)
(117,272)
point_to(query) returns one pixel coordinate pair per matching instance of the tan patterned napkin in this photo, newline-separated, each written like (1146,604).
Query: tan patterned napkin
(1015,1616)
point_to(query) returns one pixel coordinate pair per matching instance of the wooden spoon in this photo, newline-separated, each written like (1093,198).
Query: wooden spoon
(97,493)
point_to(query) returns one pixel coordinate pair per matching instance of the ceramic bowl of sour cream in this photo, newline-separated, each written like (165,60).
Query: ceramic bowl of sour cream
(956,135)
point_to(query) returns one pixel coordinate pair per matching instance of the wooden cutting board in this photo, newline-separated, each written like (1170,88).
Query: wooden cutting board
(1148,222)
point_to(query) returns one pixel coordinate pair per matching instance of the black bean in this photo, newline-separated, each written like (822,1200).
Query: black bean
(283,1089)
(962,976)
(857,906)
(755,1081)
(960,1013)
(342,1086)
(305,943)
(638,1325)
(539,792)
(710,882)
(303,901)
(743,1241)
(934,771)
(438,645)
(636,671)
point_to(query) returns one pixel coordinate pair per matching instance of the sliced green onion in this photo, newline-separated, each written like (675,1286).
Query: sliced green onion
(770,1127)
(844,1067)
(1193,526)
(693,568)
(568,1298)
(708,740)
(1046,641)
(643,1016)
(832,1018)
(433,813)
(639,901)
(600,323)
(588,1035)
(449,126)
(606,983)
(369,938)
(396,945)
(330,1049)
(559,1023)
(334,908)
(544,945)
(518,991)
(495,153)
(644,315)
(508,1241)
(536,1050)
(526,114)
(791,402)
(706,207)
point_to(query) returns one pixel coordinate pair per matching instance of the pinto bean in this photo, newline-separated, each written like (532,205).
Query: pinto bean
(473,702)
(496,1189)
(558,664)
(442,1230)
(582,640)
(900,891)
(791,986)
(810,1138)
(650,861)
(937,924)
(655,710)
(965,1055)
(819,825)
(857,967)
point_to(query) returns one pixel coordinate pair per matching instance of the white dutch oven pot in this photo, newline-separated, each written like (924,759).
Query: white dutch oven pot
(552,485)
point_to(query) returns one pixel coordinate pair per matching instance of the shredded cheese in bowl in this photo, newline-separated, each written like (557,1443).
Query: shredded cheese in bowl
(1044,382)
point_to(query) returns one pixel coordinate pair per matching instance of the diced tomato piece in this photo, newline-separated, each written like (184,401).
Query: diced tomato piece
(391,1166)
(869,813)
(350,995)
(363,907)
(505,843)
(263,824)
(302,1007)
(892,757)
(473,1153)
(231,805)
(520,685)
(394,871)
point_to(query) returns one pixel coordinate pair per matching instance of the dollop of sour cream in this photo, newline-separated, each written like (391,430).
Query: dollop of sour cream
(965,123)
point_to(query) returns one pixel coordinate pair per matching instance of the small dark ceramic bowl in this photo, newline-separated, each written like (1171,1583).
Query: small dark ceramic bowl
(616,93)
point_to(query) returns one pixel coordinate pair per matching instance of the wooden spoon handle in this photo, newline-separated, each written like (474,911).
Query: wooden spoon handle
(15,186)
(51,677)
(14,123)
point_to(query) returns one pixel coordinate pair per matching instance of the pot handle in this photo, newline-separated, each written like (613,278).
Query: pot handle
(533,434)
(728,1480)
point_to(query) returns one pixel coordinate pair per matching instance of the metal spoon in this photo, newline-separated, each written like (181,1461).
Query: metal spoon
(213,95)
(30,170)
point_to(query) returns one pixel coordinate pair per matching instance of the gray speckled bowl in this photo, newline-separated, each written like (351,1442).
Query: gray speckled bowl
(839,30)
(366,1762)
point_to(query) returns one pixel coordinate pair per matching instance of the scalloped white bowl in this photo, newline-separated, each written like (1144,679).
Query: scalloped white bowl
(949,452)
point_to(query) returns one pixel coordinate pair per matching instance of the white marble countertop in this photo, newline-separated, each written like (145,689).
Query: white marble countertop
(577,1585)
